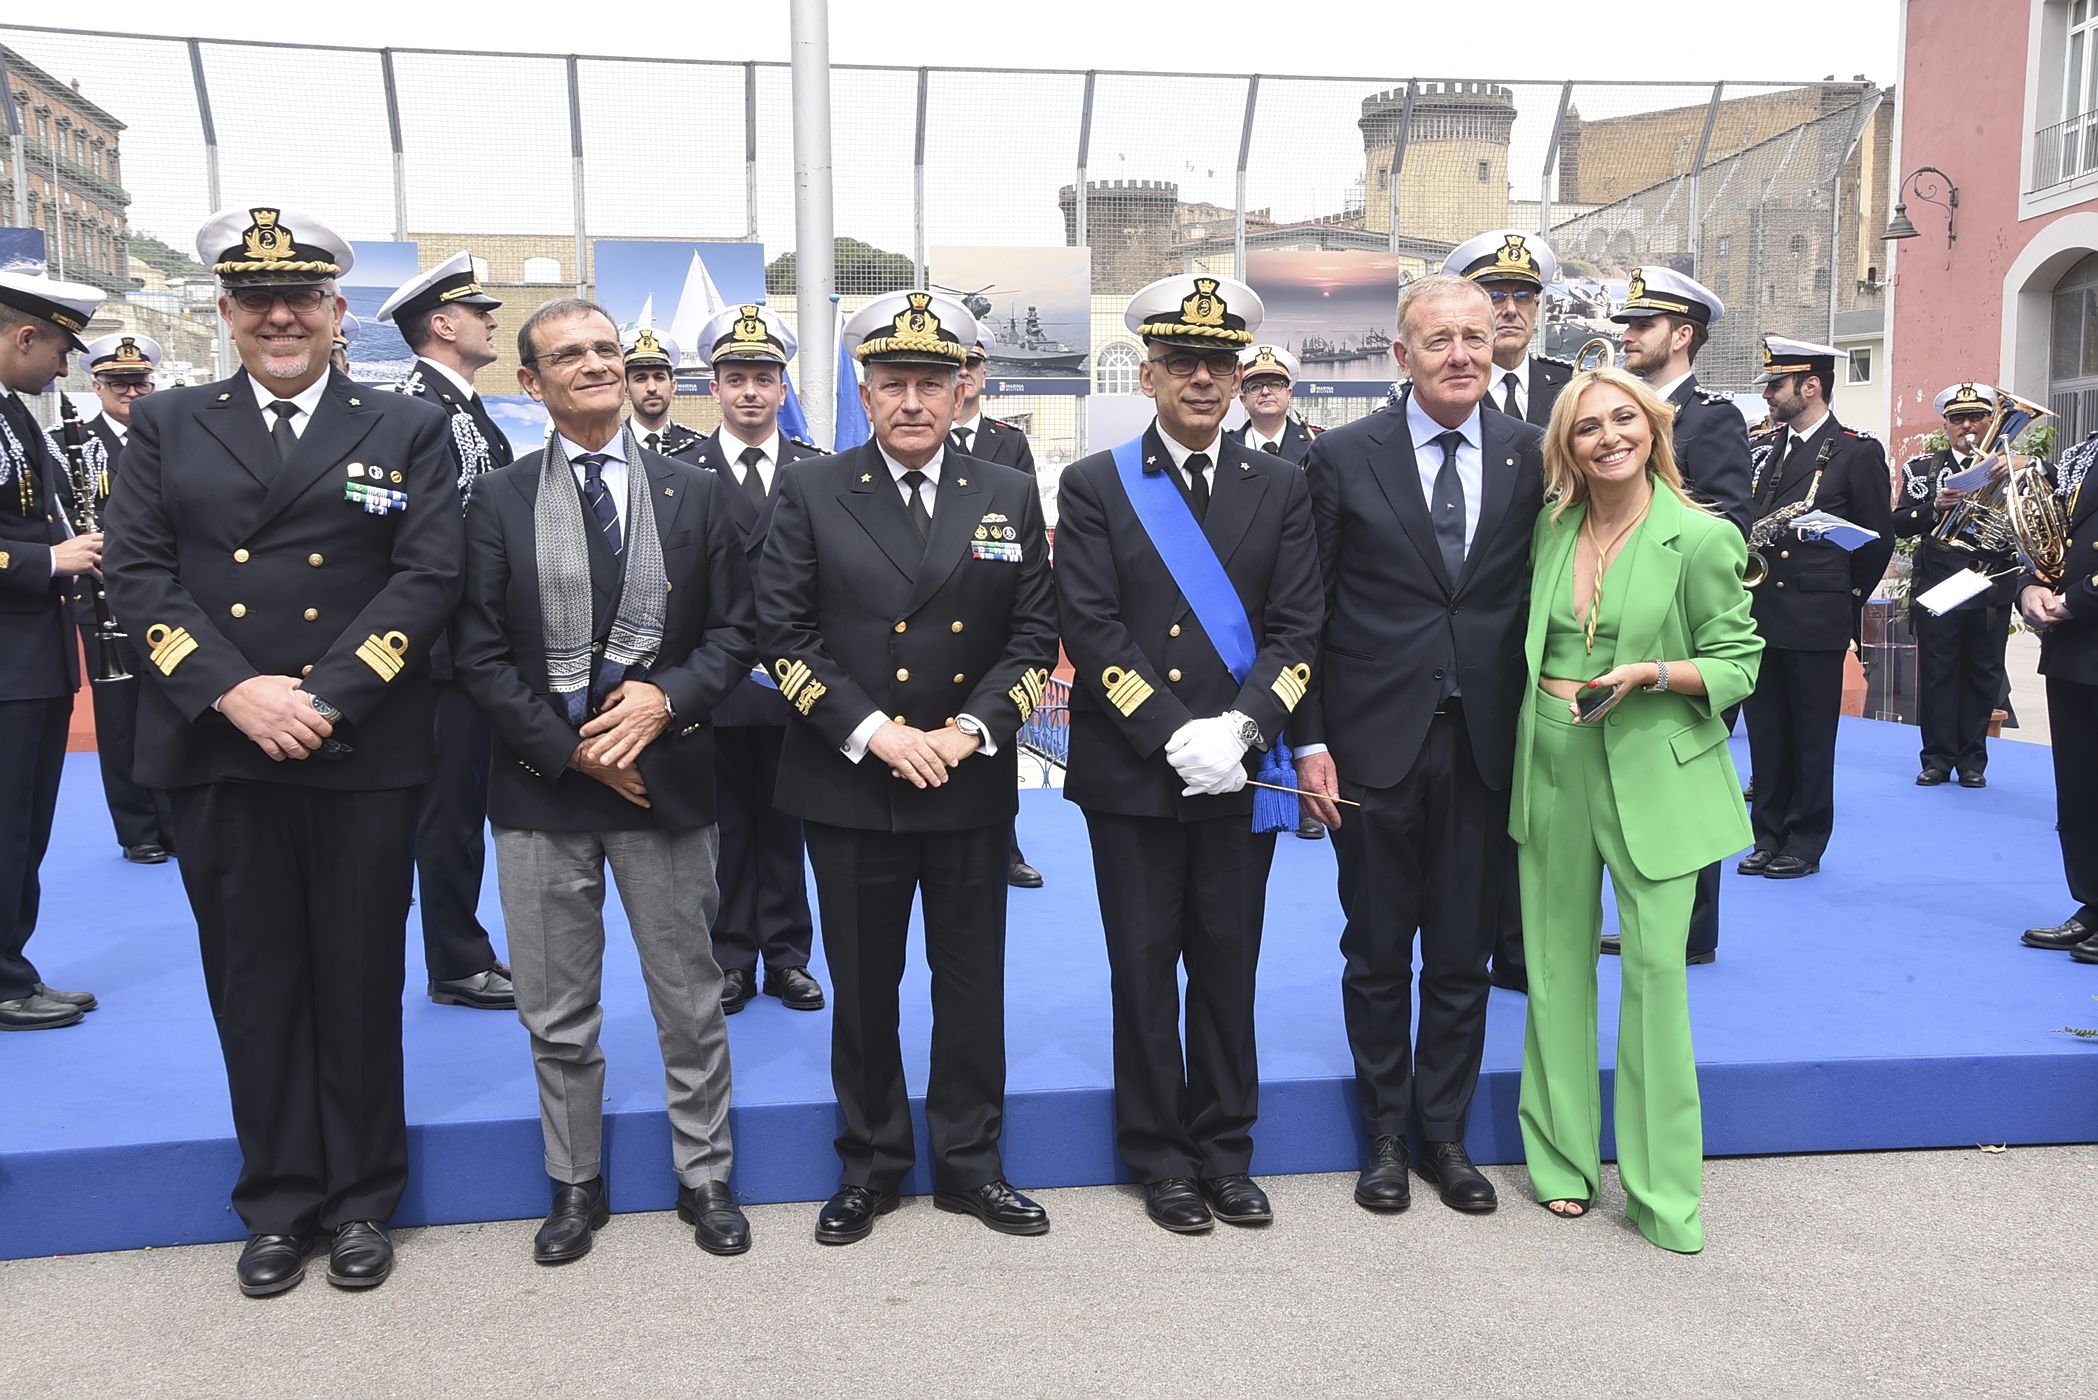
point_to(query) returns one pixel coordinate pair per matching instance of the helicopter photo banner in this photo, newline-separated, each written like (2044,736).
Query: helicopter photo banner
(1337,312)
(1034,309)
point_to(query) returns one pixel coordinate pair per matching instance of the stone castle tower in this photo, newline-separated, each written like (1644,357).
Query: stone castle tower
(1132,226)
(1454,181)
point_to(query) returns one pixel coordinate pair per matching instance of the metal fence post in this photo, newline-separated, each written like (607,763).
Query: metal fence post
(1398,154)
(1694,235)
(393,132)
(575,155)
(1868,103)
(750,152)
(815,248)
(918,186)
(1245,146)
(210,131)
(1085,144)
(1551,160)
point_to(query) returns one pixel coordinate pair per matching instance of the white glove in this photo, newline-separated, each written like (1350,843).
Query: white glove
(1205,753)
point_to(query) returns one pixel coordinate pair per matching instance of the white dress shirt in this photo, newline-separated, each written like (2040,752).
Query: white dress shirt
(1471,458)
(307,399)
(1180,452)
(1256,440)
(1498,395)
(459,381)
(968,430)
(768,465)
(613,473)
(1663,391)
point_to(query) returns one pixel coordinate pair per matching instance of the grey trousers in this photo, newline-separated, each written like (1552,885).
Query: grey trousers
(553,891)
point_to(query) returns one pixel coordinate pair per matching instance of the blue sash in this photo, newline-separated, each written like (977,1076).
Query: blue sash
(1199,575)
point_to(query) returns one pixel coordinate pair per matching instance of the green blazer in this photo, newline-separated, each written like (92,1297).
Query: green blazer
(1678,796)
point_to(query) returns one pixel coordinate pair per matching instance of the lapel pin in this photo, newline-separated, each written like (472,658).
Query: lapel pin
(964,481)
(1151,461)
(224,397)
(866,477)
(670,490)
(356,403)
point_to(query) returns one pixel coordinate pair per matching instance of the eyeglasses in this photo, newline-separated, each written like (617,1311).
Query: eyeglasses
(1521,296)
(125,386)
(1267,384)
(567,355)
(1969,417)
(1181,363)
(257,301)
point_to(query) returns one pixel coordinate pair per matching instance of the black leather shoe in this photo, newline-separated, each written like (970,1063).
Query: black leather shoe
(37,1012)
(579,1210)
(1613,947)
(1931,777)
(1701,957)
(1461,1185)
(717,1221)
(1755,862)
(272,1263)
(2066,934)
(146,853)
(1236,1199)
(362,1256)
(84,1000)
(1971,779)
(1790,868)
(487,990)
(737,988)
(1513,979)
(796,990)
(1383,1184)
(849,1215)
(1176,1203)
(2085,952)
(1022,876)
(997,1205)
(1310,829)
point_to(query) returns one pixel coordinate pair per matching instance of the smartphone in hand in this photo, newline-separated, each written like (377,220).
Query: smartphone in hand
(1595,702)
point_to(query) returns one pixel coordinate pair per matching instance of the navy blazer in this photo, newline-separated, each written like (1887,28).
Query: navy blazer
(1396,623)
(501,652)
(1143,664)
(1711,451)
(40,659)
(225,563)
(751,703)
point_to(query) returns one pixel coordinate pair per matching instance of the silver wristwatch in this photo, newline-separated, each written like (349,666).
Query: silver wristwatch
(1248,732)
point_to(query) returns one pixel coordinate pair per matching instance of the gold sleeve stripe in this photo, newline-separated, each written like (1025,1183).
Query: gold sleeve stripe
(385,655)
(1289,685)
(1125,689)
(6,560)
(793,675)
(171,646)
(1027,695)
(809,696)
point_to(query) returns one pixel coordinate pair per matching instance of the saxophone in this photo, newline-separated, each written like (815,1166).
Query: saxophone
(1763,534)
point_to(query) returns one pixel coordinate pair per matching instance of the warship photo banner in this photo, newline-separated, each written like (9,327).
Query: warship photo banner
(1336,312)
(1034,309)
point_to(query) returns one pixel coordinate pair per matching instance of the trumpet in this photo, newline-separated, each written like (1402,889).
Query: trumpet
(105,659)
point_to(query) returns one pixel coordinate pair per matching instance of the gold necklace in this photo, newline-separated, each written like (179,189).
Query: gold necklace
(1602,556)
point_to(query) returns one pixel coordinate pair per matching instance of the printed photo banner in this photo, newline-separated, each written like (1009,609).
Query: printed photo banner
(1033,307)
(677,287)
(1336,311)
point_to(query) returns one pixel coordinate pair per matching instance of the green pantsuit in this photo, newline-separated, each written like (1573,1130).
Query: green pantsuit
(1650,794)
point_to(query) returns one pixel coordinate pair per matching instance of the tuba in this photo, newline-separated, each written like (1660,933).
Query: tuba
(1981,524)
(1599,353)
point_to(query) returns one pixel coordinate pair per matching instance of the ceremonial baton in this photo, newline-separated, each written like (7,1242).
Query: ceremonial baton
(1277,787)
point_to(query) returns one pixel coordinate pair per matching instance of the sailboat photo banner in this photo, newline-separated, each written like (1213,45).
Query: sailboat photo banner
(677,288)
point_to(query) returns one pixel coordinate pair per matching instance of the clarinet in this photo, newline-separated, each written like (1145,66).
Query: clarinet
(105,661)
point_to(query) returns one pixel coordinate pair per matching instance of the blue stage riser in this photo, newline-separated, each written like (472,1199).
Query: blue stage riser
(1882,1004)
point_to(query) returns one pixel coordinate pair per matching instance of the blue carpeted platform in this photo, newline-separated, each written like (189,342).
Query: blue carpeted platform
(1883,1004)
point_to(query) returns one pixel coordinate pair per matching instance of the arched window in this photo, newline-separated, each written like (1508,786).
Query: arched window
(1799,243)
(2072,365)
(1115,370)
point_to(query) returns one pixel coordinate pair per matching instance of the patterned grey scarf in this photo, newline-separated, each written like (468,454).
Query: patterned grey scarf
(559,534)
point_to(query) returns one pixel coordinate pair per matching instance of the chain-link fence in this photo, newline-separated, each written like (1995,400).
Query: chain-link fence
(128,143)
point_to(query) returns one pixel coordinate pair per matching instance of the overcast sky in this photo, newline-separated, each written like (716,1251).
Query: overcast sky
(1649,40)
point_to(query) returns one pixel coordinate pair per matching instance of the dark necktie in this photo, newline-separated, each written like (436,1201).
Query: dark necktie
(1449,505)
(280,431)
(753,479)
(1508,404)
(921,518)
(1198,484)
(653,442)
(1273,449)
(959,438)
(600,499)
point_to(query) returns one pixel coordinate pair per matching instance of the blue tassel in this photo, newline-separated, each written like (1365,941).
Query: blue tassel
(1275,811)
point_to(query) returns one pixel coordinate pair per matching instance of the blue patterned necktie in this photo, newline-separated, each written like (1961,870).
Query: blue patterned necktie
(1449,506)
(600,498)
